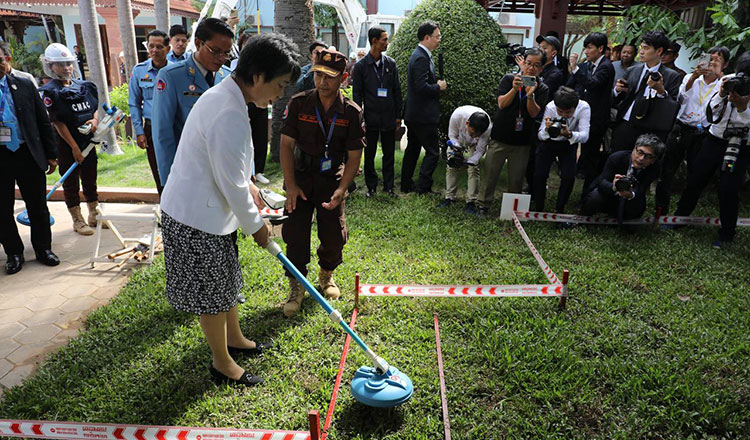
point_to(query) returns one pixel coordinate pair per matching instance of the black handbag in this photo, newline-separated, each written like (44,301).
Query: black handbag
(654,114)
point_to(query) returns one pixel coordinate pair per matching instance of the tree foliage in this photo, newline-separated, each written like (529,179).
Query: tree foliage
(474,61)
(24,59)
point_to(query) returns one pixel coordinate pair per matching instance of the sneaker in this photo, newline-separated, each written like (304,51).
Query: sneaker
(445,203)
(260,178)
(471,208)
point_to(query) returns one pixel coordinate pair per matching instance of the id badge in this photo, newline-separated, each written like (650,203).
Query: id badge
(382,93)
(5,135)
(325,164)
(519,123)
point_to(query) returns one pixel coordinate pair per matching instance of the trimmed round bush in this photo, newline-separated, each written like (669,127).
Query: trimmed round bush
(472,58)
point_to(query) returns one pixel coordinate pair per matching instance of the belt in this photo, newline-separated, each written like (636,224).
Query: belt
(688,127)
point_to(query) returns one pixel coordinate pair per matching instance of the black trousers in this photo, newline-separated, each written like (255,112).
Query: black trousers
(709,159)
(420,136)
(625,134)
(683,143)
(85,171)
(546,153)
(388,142)
(613,205)
(591,161)
(259,129)
(151,155)
(19,167)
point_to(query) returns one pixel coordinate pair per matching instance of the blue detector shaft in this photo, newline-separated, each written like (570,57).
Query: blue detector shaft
(380,386)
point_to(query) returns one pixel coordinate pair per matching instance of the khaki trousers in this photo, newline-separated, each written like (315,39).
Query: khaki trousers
(497,153)
(452,175)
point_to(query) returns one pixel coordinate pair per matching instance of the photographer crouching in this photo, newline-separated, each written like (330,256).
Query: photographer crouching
(725,148)
(566,123)
(620,190)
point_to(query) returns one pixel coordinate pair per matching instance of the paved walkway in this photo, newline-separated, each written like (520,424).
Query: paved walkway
(42,307)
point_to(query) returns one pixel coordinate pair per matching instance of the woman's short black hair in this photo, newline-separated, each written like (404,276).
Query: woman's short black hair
(271,55)
(598,39)
(425,29)
(721,50)
(208,27)
(158,33)
(743,64)
(375,32)
(656,39)
(479,121)
(566,98)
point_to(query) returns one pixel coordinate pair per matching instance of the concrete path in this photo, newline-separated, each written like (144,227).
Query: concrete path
(42,307)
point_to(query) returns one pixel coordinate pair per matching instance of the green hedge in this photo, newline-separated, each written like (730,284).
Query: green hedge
(473,60)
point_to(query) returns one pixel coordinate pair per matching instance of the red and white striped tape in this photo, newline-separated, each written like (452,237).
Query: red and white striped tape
(268,212)
(105,431)
(662,220)
(460,290)
(545,267)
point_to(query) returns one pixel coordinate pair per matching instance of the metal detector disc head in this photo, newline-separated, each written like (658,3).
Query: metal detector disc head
(23,218)
(381,390)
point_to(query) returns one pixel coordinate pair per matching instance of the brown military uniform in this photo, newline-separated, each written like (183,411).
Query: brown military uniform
(301,124)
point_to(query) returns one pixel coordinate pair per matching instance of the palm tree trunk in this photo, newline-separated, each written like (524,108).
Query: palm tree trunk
(161,9)
(293,18)
(93,44)
(127,33)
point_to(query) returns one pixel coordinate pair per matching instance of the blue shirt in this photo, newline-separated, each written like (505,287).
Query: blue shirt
(178,87)
(172,58)
(10,104)
(141,93)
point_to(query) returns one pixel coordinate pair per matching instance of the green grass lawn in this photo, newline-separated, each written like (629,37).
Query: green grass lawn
(655,341)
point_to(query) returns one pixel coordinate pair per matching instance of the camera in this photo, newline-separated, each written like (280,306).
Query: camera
(739,84)
(626,183)
(555,129)
(513,51)
(735,136)
(455,155)
(655,76)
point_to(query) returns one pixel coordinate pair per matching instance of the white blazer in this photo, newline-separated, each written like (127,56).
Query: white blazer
(209,184)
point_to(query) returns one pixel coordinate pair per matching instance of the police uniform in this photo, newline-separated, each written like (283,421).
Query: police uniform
(304,121)
(172,58)
(141,87)
(178,87)
(73,105)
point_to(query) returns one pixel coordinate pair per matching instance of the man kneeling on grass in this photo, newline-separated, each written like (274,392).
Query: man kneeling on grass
(620,190)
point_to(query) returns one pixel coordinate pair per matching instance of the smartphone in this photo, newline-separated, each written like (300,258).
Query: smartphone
(528,81)
(704,60)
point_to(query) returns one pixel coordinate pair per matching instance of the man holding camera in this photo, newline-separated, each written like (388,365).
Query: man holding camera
(691,126)
(521,98)
(620,191)
(566,123)
(725,148)
(551,73)
(641,86)
(468,132)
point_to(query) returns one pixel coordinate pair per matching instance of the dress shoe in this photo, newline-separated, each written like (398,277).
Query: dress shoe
(14,264)
(260,347)
(471,208)
(482,212)
(390,193)
(370,193)
(47,258)
(445,203)
(246,379)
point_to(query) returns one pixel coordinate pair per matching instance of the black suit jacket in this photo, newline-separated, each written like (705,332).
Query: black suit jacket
(380,113)
(31,114)
(618,163)
(633,78)
(595,88)
(423,93)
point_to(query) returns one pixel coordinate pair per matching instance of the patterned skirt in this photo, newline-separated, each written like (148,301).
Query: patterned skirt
(203,273)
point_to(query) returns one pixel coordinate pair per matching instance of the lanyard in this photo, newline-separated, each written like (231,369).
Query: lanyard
(328,135)
(4,100)
(379,74)
(700,90)
(520,100)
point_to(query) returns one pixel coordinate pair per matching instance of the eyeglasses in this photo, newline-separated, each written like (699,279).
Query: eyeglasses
(534,65)
(643,154)
(217,54)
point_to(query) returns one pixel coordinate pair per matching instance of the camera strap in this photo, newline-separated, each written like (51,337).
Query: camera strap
(710,112)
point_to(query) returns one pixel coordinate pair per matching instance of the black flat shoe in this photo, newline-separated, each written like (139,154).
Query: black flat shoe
(14,264)
(246,379)
(260,347)
(47,258)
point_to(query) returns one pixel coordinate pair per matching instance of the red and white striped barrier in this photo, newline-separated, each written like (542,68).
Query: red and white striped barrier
(105,431)
(463,291)
(545,267)
(592,220)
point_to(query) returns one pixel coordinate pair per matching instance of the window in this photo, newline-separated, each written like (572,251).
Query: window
(140,41)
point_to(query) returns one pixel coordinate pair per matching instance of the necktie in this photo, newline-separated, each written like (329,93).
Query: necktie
(210,78)
(9,121)
(643,84)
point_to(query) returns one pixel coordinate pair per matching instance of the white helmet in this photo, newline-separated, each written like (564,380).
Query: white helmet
(57,53)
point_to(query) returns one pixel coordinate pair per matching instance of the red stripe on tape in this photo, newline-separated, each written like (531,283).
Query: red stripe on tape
(37,429)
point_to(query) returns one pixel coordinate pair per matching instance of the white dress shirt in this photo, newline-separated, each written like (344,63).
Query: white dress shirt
(209,184)
(459,133)
(648,91)
(731,116)
(578,124)
(694,101)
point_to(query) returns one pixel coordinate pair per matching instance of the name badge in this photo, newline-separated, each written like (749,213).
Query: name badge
(5,135)
(195,94)
(382,93)
(325,164)
(519,123)
(147,80)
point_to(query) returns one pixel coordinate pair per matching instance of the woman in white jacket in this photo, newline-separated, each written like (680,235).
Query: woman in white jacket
(209,194)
